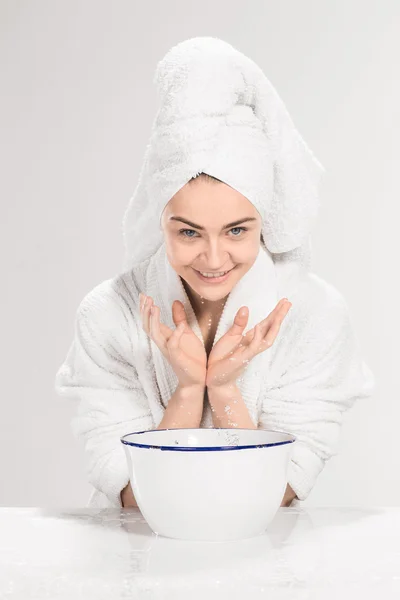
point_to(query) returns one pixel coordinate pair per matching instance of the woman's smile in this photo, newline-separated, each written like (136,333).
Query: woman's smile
(213,279)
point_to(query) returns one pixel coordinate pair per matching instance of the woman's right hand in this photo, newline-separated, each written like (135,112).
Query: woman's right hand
(181,346)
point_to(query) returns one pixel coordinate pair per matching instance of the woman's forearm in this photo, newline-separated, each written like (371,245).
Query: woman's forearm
(228,408)
(184,409)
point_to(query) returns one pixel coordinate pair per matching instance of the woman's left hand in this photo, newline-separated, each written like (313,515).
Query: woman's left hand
(233,351)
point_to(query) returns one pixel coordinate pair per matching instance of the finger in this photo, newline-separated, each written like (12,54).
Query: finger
(268,320)
(164,331)
(257,344)
(267,331)
(173,342)
(142,305)
(265,322)
(178,313)
(143,302)
(239,322)
(275,326)
(146,315)
(155,329)
(283,312)
(253,347)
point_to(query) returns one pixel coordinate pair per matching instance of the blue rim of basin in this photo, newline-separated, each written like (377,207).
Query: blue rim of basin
(201,448)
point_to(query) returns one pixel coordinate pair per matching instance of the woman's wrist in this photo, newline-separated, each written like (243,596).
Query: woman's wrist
(190,390)
(184,409)
(228,407)
(225,389)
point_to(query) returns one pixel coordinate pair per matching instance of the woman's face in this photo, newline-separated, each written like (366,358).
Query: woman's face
(200,236)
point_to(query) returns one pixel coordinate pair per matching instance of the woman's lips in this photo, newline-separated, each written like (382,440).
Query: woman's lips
(214,279)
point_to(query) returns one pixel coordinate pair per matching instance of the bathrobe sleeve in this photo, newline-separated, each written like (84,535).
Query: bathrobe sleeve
(322,374)
(100,373)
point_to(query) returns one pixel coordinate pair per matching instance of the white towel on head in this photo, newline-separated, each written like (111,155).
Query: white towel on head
(219,114)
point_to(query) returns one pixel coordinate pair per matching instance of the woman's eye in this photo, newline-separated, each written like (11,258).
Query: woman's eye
(183,231)
(242,228)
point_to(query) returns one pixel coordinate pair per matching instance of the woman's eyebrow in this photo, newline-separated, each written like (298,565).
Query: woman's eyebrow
(203,228)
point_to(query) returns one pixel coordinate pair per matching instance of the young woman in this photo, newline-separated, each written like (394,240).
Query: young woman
(166,343)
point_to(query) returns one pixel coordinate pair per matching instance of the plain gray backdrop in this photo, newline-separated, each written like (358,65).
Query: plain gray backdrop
(77,104)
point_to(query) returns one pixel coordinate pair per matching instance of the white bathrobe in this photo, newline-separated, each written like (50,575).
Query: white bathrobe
(302,385)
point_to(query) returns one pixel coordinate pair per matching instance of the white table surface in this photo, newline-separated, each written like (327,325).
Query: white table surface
(307,553)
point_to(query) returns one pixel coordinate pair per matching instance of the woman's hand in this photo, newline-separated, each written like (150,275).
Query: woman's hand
(288,497)
(181,347)
(233,351)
